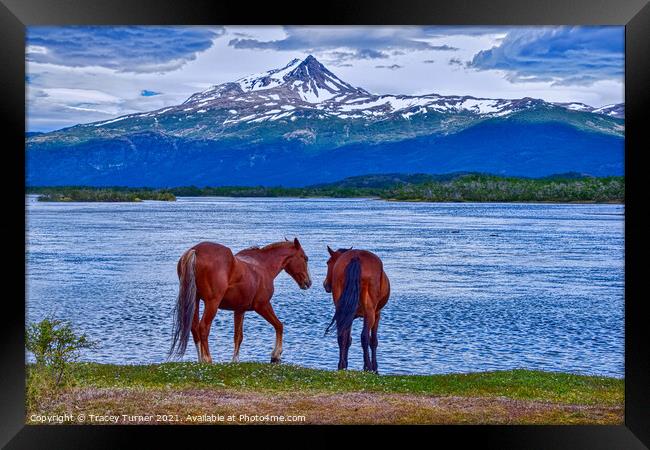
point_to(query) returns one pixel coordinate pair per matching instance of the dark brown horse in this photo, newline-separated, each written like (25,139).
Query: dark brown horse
(360,288)
(239,283)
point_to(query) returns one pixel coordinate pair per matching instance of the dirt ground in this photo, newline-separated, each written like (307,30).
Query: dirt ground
(220,406)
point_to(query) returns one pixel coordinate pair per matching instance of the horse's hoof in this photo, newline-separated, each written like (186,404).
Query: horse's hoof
(275,360)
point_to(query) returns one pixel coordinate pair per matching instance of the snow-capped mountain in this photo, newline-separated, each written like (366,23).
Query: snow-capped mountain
(305,110)
(614,110)
(305,81)
(310,85)
(308,90)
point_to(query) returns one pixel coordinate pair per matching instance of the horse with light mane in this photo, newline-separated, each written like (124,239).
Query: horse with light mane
(239,283)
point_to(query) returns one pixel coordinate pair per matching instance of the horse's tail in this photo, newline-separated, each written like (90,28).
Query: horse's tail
(184,309)
(347,305)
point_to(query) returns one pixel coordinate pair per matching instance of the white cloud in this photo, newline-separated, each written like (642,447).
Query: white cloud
(68,95)
(36,49)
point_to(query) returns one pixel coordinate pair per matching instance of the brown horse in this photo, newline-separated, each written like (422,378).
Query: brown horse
(239,283)
(360,288)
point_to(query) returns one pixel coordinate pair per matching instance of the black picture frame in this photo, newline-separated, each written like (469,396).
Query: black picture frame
(15,15)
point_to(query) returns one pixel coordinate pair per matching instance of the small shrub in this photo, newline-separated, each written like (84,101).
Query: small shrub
(54,345)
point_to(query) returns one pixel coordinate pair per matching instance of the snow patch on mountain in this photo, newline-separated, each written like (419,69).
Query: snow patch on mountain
(267,80)
(614,110)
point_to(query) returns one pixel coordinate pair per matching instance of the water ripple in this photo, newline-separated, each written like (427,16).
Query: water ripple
(474,286)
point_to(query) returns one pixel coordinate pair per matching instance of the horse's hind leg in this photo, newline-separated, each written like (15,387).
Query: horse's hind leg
(239,334)
(345,340)
(267,312)
(195,329)
(373,343)
(368,323)
(205,324)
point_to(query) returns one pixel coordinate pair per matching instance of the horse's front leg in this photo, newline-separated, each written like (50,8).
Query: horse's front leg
(239,334)
(267,312)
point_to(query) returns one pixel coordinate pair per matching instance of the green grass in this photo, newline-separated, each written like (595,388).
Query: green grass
(260,377)
(181,391)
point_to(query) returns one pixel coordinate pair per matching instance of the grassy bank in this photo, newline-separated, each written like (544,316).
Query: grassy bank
(90,194)
(486,188)
(185,389)
(427,188)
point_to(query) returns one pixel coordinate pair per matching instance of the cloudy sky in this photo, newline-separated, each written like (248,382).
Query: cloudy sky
(84,74)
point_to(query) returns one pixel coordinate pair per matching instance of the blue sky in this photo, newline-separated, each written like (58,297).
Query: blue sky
(83,74)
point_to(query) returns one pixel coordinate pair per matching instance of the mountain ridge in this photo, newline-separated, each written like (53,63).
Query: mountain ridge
(308,89)
(304,123)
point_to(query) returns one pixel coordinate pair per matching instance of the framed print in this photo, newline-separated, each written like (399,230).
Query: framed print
(418,214)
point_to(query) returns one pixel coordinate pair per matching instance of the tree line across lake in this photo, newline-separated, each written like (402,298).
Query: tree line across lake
(418,187)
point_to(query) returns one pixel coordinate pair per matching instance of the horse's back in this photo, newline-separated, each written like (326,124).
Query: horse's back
(372,268)
(212,259)
(375,278)
(371,264)
(206,247)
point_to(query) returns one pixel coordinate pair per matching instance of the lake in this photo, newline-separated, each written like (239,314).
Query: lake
(475,286)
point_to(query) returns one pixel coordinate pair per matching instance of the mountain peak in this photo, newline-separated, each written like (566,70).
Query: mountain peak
(310,80)
(306,80)
(311,62)
(315,83)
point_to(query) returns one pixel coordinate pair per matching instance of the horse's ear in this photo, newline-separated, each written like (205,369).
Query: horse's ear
(331,252)
(296,243)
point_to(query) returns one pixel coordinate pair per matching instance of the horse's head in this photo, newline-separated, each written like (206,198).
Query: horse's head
(334,256)
(296,266)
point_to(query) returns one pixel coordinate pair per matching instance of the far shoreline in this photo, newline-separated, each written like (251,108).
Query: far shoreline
(388,200)
(457,187)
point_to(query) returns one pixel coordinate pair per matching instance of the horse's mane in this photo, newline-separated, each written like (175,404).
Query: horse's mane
(256,249)
(278,244)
